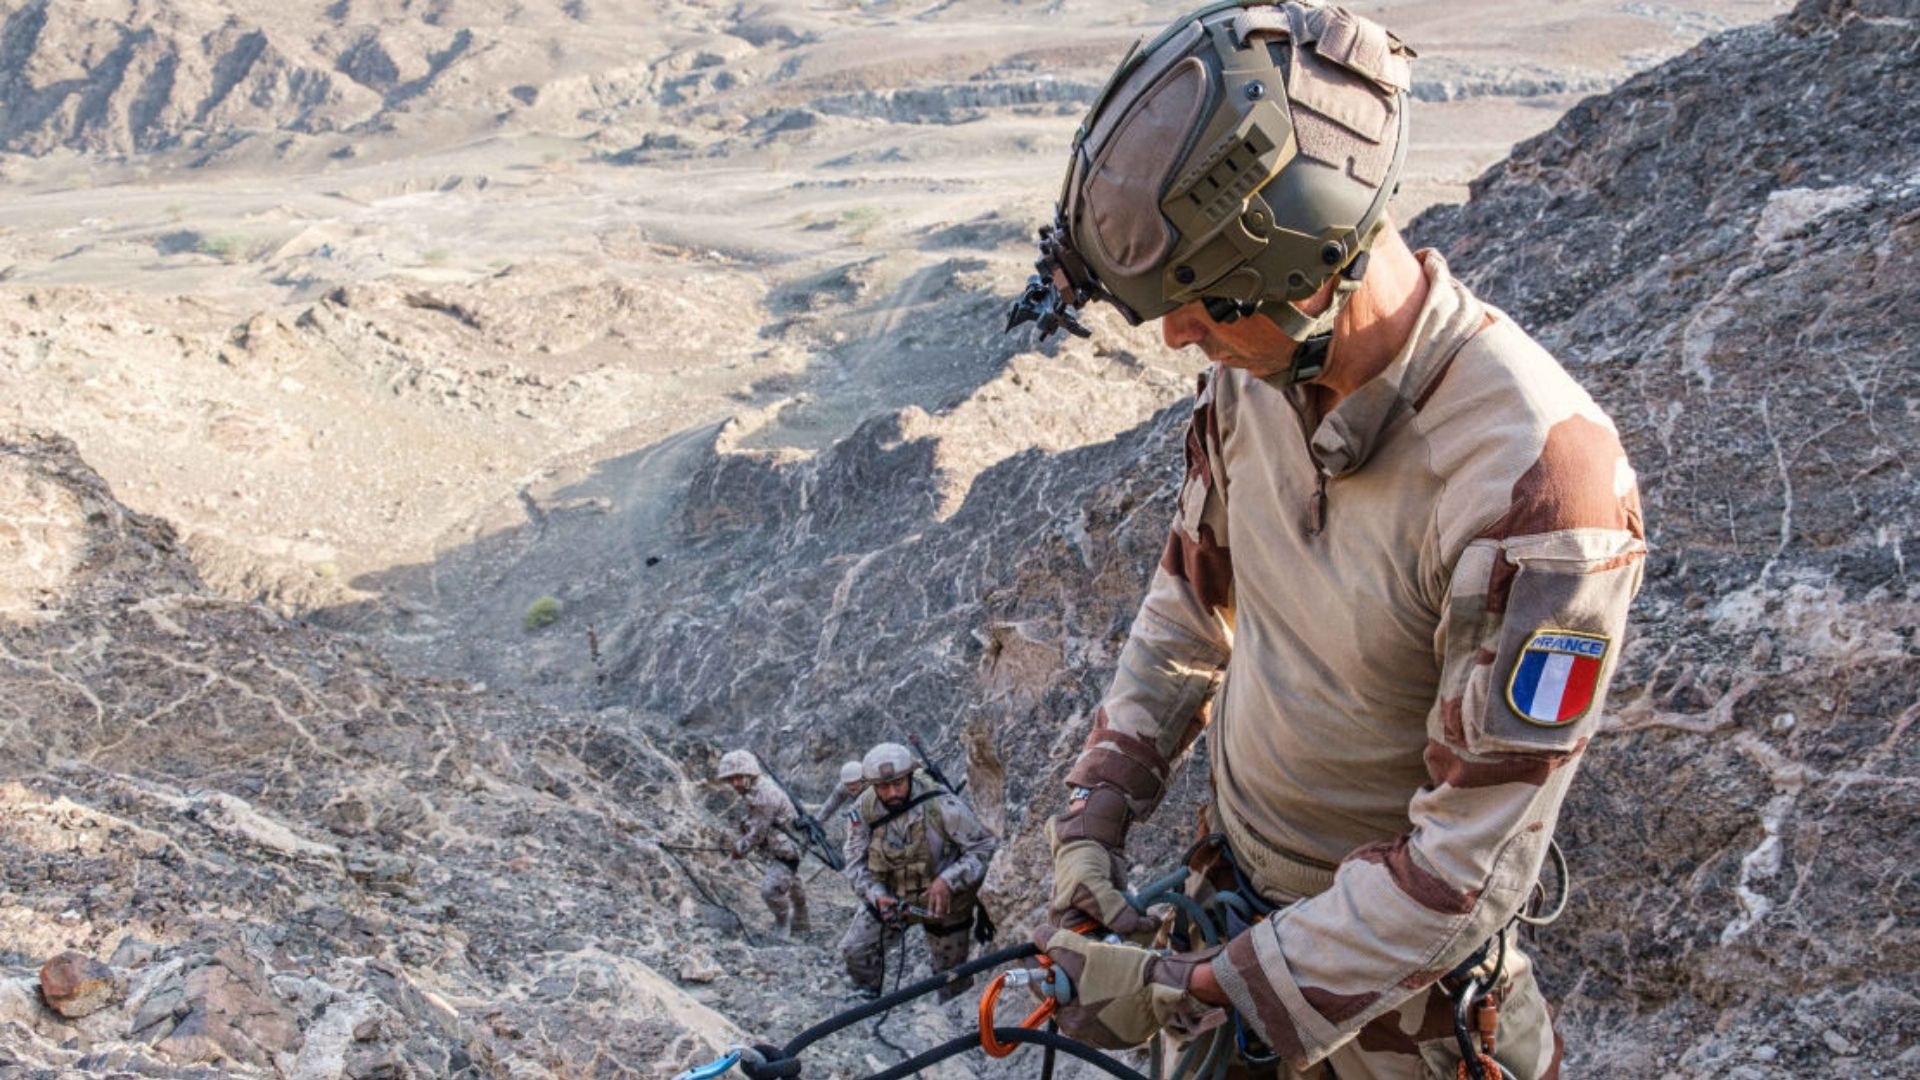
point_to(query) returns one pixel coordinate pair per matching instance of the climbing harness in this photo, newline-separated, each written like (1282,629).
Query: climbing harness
(1197,924)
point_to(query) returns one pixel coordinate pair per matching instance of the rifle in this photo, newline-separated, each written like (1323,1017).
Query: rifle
(926,759)
(813,837)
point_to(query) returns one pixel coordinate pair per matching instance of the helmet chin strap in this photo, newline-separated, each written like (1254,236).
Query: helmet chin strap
(1312,335)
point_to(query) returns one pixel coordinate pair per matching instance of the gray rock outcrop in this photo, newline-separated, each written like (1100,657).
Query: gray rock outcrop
(1727,251)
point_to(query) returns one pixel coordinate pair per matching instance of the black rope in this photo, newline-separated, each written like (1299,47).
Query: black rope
(920,989)
(1053,1041)
(781,1063)
(899,973)
(707,896)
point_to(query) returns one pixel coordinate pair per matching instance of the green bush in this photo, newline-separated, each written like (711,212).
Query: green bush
(229,248)
(542,613)
(861,220)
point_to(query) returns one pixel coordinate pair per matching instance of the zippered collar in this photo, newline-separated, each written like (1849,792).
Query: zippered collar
(1348,436)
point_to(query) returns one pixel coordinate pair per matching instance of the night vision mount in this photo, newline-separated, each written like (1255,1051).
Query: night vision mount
(1044,301)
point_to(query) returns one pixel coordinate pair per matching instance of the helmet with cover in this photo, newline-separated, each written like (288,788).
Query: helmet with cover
(850,773)
(887,762)
(737,763)
(1242,158)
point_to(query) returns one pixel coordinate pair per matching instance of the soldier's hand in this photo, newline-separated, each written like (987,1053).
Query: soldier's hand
(1121,994)
(939,898)
(885,904)
(1088,869)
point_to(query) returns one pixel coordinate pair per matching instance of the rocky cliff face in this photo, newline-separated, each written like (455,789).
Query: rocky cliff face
(1725,251)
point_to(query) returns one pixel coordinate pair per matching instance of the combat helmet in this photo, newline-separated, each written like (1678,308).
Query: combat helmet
(851,773)
(1242,158)
(887,761)
(737,763)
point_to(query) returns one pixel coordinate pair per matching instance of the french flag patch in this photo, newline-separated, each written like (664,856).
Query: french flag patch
(1554,680)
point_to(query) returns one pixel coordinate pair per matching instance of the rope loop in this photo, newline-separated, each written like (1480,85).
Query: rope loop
(769,1063)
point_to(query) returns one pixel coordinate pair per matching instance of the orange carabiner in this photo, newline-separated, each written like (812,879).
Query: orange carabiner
(990,999)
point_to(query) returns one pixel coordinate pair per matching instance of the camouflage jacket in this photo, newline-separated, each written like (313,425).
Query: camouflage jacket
(959,846)
(835,801)
(1402,624)
(769,811)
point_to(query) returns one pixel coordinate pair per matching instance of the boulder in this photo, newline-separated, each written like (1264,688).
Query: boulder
(76,985)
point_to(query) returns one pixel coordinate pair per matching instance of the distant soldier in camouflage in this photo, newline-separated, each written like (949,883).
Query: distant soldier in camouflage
(1397,577)
(769,813)
(852,783)
(913,856)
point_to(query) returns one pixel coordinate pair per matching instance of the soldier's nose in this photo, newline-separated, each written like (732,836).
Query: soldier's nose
(1183,326)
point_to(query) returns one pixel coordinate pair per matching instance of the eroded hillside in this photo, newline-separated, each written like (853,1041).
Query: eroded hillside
(269,855)
(712,359)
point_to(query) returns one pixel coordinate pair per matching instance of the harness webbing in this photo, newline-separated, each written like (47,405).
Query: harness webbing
(876,823)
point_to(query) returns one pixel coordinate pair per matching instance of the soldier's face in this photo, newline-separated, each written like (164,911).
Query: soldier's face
(1253,344)
(740,784)
(893,793)
(853,788)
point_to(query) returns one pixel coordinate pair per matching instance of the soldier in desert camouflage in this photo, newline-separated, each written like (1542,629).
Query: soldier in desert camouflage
(1397,578)
(852,783)
(914,855)
(769,813)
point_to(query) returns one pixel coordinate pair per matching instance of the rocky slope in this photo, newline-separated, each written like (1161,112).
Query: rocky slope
(1723,249)
(269,855)
(1736,283)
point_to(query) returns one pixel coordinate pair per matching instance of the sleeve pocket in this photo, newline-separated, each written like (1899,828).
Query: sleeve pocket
(1559,644)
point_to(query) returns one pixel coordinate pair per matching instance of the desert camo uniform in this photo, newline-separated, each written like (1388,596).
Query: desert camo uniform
(836,801)
(1402,620)
(769,812)
(939,837)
